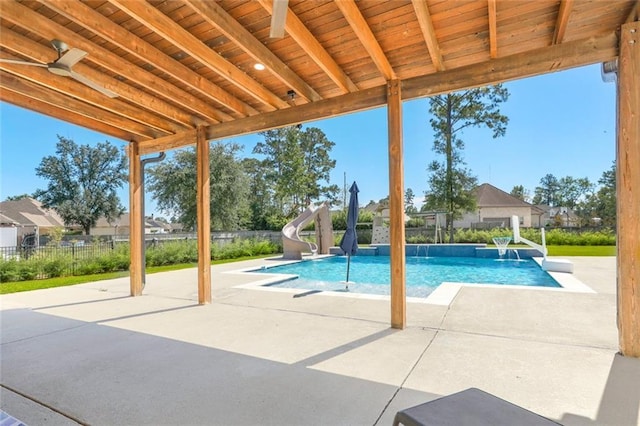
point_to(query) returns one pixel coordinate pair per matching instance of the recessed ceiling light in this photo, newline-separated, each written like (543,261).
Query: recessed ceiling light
(259,66)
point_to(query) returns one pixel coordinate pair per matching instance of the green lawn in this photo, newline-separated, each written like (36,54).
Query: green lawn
(582,250)
(14,287)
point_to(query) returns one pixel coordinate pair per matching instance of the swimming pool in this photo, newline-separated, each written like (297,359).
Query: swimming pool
(371,274)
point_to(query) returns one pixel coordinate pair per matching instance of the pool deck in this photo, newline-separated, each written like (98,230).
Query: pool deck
(89,354)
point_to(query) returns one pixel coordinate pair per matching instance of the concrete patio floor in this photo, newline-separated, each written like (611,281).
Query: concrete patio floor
(90,354)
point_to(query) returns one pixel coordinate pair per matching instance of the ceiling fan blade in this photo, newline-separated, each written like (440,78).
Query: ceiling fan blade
(82,79)
(72,57)
(278,18)
(18,62)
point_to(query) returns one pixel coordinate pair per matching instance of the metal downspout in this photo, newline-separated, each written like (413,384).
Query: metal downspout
(161,156)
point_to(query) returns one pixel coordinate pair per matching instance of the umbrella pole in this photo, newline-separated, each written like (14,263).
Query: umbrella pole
(348,267)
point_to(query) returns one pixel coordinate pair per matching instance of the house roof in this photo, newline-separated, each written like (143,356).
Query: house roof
(123,220)
(29,212)
(5,220)
(175,65)
(488,195)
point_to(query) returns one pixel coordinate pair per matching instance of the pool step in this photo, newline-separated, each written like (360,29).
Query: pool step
(362,251)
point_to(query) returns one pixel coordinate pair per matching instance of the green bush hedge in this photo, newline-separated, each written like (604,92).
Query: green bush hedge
(14,270)
(51,264)
(554,237)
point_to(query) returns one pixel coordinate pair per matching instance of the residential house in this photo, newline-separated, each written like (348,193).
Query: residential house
(116,227)
(29,217)
(495,207)
(558,216)
(120,226)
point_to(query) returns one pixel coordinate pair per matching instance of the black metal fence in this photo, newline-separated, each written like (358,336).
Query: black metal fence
(76,251)
(80,257)
(45,261)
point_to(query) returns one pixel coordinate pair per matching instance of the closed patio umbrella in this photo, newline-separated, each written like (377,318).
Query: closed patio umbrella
(349,241)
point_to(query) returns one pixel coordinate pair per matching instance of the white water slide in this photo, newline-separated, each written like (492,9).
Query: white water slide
(293,246)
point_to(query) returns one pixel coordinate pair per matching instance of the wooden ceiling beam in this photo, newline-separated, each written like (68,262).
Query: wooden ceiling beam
(38,106)
(175,119)
(527,64)
(166,143)
(70,87)
(217,17)
(358,101)
(522,65)
(167,28)
(563,19)
(634,15)
(33,90)
(493,28)
(36,23)
(429,33)
(301,34)
(361,28)
(95,22)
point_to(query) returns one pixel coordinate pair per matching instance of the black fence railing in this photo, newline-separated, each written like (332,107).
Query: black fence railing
(76,251)
(33,262)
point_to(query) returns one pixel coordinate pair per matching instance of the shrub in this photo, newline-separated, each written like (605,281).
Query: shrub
(28,270)
(417,239)
(9,270)
(415,223)
(172,252)
(57,266)
(88,267)
(553,237)
(339,219)
(243,248)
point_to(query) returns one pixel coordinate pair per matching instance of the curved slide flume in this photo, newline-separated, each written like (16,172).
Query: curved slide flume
(293,246)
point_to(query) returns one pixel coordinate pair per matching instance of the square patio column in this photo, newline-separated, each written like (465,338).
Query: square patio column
(628,190)
(135,219)
(396,206)
(203,216)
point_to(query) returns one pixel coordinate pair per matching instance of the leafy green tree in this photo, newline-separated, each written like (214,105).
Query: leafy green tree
(548,191)
(18,197)
(297,164)
(82,182)
(173,185)
(451,185)
(264,213)
(571,191)
(460,183)
(602,204)
(520,193)
(409,196)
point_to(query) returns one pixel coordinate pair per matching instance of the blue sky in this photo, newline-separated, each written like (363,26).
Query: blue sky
(561,123)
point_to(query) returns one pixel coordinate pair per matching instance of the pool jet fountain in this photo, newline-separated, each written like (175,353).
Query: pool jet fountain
(502,243)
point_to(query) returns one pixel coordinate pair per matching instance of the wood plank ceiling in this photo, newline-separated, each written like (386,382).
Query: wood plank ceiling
(178,64)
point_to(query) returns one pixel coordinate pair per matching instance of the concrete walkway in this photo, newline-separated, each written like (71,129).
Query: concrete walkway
(90,354)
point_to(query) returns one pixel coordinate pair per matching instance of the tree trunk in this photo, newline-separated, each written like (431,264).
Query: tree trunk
(449,175)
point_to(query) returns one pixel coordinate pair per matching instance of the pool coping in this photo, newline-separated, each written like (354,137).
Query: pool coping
(443,295)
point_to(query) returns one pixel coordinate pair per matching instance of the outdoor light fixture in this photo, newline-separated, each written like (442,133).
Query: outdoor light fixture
(258,66)
(291,95)
(609,71)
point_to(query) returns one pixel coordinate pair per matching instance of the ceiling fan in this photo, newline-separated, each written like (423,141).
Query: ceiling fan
(278,18)
(63,66)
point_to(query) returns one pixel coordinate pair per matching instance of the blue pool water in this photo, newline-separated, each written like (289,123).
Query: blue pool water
(371,274)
